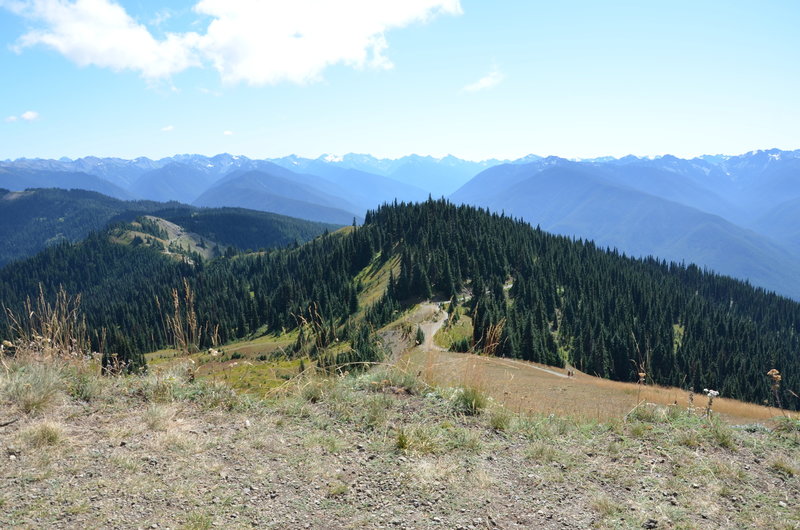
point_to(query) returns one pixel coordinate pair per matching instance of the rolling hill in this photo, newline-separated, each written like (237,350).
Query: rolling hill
(529,295)
(34,219)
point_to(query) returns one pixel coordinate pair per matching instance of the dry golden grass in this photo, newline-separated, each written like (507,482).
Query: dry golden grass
(529,387)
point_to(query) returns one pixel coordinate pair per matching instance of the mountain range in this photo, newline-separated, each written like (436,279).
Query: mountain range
(724,213)
(736,215)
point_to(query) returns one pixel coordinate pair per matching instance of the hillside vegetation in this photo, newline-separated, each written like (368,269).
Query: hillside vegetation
(535,297)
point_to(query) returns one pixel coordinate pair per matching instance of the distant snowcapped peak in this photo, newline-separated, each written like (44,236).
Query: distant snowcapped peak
(333,158)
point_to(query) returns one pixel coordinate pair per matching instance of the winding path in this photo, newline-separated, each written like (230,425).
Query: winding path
(431,327)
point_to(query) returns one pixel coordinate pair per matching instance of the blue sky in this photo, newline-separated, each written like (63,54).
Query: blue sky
(476,79)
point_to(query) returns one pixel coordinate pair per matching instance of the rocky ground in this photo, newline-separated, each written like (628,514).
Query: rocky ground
(378,450)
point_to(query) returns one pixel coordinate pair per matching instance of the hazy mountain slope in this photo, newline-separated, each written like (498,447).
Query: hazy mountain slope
(118,171)
(495,180)
(676,180)
(365,189)
(570,199)
(17,179)
(436,176)
(775,185)
(758,180)
(173,182)
(440,177)
(267,192)
(326,192)
(782,223)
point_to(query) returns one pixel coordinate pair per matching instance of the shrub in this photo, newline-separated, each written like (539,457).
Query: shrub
(500,419)
(541,452)
(376,411)
(32,386)
(421,439)
(787,425)
(84,386)
(157,417)
(392,378)
(722,435)
(470,401)
(43,434)
(461,345)
(782,467)
(420,338)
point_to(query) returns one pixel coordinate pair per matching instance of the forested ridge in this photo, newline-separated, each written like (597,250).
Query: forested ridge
(33,219)
(535,296)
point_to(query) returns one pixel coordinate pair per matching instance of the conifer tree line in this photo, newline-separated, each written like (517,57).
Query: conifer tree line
(534,296)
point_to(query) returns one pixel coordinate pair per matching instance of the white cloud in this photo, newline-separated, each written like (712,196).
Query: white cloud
(228,133)
(252,41)
(265,42)
(101,33)
(209,92)
(28,115)
(168,128)
(490,80)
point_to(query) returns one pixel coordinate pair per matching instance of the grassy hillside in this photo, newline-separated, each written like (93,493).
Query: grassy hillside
(366,451)
(424,439)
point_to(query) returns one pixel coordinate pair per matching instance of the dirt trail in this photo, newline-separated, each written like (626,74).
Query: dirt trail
(525,386)
(438,319)
(431,327)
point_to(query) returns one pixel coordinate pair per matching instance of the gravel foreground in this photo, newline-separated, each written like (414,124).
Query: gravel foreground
(379,450)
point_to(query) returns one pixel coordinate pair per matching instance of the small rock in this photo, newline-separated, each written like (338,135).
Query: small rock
(695,485)
(782,504)
(650,523)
